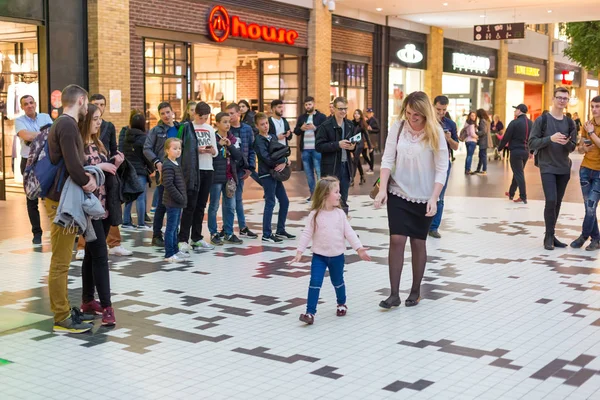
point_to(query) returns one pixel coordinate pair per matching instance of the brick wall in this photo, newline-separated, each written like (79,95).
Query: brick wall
(247,82)
(319,57)
(356,43)
(187,16)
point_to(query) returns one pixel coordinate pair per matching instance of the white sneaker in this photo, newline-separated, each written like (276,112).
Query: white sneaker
(184,247)
(119,251)
(80,255)
(181,255)
(202,245)
(144,228)
(173,259)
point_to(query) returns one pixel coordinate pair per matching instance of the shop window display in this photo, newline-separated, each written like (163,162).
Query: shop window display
(349,80)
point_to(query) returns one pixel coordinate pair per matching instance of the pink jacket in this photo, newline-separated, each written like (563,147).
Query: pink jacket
(329,235)
(471,133)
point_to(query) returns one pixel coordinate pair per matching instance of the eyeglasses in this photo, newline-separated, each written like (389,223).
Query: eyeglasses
(342,109)
(562,98)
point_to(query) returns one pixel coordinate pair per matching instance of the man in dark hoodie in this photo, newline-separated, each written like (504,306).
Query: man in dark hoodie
(154,150)
(553,137)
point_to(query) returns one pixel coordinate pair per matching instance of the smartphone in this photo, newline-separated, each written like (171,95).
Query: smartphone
(587,142)
(356,138)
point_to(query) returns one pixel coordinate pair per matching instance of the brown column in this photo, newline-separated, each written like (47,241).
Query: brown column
(319,55)
(500,86)
(549,86)
(435,62)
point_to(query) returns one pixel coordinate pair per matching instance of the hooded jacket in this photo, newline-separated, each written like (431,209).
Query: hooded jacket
(175,194)
(327,143)
(220,162)
(133,149)
(154,146)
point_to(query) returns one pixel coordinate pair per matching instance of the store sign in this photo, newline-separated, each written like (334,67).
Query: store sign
(221,26)
(567,77)
(470,63)
(592,83)
(499,31)
(527,71)
(410,55)
(407,53)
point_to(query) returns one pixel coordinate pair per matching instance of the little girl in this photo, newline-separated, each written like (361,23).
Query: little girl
(328,228)
(174,198)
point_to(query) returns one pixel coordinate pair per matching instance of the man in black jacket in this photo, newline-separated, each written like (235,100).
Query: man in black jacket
(516,136)
(306,127)
(278,126)
(332,141)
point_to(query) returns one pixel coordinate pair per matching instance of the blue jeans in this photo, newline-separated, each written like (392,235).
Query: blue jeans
(217,190)
(140,205)
(590,188)
(470,151)
(437,220)
(173,220)
(274,189)
(159,213)
(311,161)
(239,202)
(482,164)
(317,273)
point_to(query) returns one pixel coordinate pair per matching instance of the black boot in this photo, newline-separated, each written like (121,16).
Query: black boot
(549,241)
(558,243)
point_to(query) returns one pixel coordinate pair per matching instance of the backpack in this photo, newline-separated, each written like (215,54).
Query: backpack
(544,117)
(277,151)
(463,134)
(40,173)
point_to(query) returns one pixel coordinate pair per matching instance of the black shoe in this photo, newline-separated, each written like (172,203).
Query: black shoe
(579,242)
(271,239)
(216,240)
(284,235)
(594,245)
(37,239)
(435,234)
(390,302)
(221,234)
(248,233)
(158,241)
(558,243)
(412,303)
(549,242)
(147,218)
(232,239)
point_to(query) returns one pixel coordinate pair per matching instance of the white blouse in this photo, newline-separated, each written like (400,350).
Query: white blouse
(414,166)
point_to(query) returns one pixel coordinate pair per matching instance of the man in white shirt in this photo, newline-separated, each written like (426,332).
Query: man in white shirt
(278,126)
(27,127)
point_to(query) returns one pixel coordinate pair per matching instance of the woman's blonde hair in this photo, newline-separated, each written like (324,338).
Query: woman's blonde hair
(86,133)
(419,102)
(322,190)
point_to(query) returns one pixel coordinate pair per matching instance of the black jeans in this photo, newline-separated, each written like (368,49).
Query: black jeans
(554,190)
(94,270)
(518,160)
(368,156)
(193,215)
(32,208)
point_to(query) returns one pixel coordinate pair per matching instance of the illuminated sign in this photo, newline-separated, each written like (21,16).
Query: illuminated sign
(469,63)
(410,55)
(568,77)
(527,71)
(221,26)
(592,83)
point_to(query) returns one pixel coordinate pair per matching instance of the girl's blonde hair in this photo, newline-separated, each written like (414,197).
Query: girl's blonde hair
(419,102)
(167,147)
(86,133)
(323,188)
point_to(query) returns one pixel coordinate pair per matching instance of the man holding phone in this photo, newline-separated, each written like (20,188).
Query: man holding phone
(278,126)
(589,175)
(553,137)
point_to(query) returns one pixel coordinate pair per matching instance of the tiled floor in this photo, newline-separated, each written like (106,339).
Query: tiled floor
(501,318)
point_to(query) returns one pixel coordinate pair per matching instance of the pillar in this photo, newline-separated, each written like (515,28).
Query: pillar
(109,55)
(319,55)
(500,86)
(549,86)
(580,92)
(435,62)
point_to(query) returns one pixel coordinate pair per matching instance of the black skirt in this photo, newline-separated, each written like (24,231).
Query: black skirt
(407,218)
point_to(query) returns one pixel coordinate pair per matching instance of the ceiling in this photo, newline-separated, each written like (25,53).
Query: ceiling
(466,13)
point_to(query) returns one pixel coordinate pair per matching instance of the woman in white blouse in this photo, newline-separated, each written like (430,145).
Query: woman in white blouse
(413,173)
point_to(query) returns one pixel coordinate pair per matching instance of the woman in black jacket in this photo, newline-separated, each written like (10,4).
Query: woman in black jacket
(362,147)
(247,115)
(133,149)
(273,188)
(483,132)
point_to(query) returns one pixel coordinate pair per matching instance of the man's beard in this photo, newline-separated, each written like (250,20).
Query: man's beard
(279,113)
(310,110)
(82,113)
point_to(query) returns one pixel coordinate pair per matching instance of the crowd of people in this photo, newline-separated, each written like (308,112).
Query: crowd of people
(195,162)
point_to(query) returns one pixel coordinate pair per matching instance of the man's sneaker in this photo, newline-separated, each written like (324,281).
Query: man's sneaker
(119,251)
(435,234)
(594,245)
(201,245)
(91,307)
(309,200)
(579,242)
(152,210)
(221,234)
(144,228)
(37,239)
(147,218)
(108,317)
(182,255)
(70,325)
(308,319)
(216,240)
(173,259)
(158,241)
(80,255)
(285,235)
(271,239)
(84,317)
(248,233)
(128,227)
(184,247)
(232,239)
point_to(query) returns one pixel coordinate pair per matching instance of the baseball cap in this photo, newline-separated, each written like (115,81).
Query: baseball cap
(369,110)
(521,107)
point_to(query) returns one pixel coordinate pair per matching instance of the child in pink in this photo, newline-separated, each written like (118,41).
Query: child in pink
(328,228)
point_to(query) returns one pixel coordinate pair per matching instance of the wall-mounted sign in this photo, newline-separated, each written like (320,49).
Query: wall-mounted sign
(567,75)
(221,26)
(469,63)
(526,71)
(499,31)
(468,59)
(408,53)
(593,83)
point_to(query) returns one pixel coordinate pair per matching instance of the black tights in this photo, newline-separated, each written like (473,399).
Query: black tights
(396,260)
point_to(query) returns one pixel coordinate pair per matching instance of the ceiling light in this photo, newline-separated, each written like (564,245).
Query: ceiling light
(420,19)
(549,11)
(445,4)
(379,9)
(482,16)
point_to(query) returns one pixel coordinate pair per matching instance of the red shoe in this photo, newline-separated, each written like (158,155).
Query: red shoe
(108,317)
(91,307)
(341,310)
(520,200)
(308,319)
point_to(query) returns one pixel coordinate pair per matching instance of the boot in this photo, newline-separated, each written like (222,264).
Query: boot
(549,241)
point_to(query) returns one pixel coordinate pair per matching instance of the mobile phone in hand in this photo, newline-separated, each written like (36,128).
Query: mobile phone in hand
(587,142)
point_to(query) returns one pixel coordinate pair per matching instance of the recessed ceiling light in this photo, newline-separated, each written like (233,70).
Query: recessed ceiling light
(482,16)
(549,11)
(379,9)
(445,4)
(420,19)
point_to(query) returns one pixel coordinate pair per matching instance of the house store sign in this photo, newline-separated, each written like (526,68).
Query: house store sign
(221,26)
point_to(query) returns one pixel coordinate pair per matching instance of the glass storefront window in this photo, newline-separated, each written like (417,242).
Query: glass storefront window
(402,81)
(467,94)
(349,80)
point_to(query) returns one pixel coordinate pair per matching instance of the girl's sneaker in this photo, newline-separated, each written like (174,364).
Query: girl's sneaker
(91,307)
(308,319)
(341,310)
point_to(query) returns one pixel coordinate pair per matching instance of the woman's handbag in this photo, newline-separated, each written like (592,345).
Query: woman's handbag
(375,190)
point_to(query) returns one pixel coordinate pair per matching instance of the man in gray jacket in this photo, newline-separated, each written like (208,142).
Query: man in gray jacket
(154,150)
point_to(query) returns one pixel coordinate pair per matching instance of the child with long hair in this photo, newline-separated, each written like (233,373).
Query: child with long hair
(328,228)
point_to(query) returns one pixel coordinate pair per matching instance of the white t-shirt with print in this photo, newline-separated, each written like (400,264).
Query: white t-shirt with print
(205,134)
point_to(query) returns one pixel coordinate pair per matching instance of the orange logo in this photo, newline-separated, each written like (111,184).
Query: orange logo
(221,26)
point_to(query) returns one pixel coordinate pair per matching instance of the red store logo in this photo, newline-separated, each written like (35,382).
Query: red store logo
(221,26)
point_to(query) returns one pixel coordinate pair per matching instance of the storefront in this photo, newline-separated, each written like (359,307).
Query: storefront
(35,41)
(525,85)
(591,91)
(251,53)
(468,79)
(407,64)
(569,77)
(351,62)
